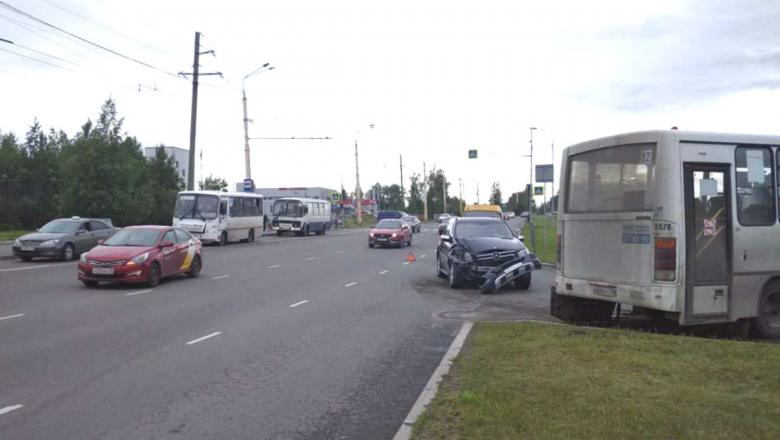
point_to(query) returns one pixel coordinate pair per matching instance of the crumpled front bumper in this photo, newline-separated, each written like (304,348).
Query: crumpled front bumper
(508,272)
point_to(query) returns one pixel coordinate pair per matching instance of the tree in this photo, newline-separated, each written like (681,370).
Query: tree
(415,195)
(213,183)
(166,183)
(394,198)
(518,202)
(495,194)
(436,181)
(37,203)
(11,180)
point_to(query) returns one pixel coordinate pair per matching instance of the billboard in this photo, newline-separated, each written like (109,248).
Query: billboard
(544,173)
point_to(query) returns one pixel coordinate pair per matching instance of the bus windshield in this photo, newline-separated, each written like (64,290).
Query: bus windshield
(288,208)
(199,206)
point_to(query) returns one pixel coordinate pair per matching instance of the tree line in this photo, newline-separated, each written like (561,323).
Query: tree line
(99,172)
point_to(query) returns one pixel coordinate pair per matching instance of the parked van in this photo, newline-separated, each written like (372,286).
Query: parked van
(301,216)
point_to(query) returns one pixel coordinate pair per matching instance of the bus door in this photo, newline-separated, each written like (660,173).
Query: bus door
(708,241)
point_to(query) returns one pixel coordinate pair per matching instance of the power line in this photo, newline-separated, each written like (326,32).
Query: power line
(45,54)
(33,58)
(27,27)
(66,10)
(91,43)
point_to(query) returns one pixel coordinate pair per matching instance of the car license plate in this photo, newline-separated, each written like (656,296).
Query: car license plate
(605,291)
(103,270)
(381,239)
(28,248)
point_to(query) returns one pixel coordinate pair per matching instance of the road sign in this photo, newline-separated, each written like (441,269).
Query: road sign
(472,154)
(544,173)
(335,196)
(538,190)
(249,185)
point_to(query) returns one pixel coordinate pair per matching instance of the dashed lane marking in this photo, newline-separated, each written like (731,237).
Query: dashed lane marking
(350,284)
(273,266)
(220,277)
(18,315)
(311,258)
(140,292)
(8,409)
(299,303)
(384,272)
(203,338)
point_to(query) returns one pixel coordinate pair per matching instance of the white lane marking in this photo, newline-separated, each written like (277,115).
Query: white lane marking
(405,263)
(273,266)
(203,338)
(350,284)
(339,252)
(384,272)
(140,292)
(8,409)
(299,303)
(423,255)
(311,258)
(220,277)
(37,266)
(18,315)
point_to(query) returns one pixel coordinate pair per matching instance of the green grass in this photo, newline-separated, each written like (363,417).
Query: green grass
(546,227)
(531,380)
(351,222)
(12,234)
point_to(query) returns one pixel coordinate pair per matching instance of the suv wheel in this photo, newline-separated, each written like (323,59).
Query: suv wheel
(454,279)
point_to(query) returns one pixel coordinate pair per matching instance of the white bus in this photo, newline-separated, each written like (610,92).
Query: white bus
(680,225)
(301,216)
(219,217)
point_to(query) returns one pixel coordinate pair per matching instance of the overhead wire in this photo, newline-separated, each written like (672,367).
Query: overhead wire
(85,40)
(45,54)
(88,20)
(33,58)
(29,27)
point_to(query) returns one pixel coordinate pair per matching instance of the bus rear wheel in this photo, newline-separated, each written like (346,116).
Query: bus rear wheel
(223,239)
(251,238)
(580,310)
(767,322)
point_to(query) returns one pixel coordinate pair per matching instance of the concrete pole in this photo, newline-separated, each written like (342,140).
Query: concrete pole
(425,193)
(358,196)
(247,162)
(194,114)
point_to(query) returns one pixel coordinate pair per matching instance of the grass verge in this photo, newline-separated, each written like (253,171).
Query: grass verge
(531,380)
(546,227)
(11,235)
(351,222)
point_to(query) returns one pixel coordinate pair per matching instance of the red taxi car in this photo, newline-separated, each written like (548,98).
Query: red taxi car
(390,232)
(142,254)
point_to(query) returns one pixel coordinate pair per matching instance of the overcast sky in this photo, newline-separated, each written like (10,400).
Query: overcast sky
(436,78)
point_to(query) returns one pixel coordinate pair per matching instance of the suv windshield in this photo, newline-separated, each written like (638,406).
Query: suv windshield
(474,229)
(287,208)
(134,237)
(200,206)
(389,224)
(491,214)
(60,227)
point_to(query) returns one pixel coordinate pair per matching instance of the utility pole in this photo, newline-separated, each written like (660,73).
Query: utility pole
(194,115)
(460,196)
(401,157)
(444,192)
(358,197)
(247,163)
(531,173)
(425,194)
(477,193)
(552,200)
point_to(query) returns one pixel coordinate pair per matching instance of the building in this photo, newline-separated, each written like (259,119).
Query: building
(271,194)
(181,158)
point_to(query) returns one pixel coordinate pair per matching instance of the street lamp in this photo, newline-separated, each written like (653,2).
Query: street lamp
(264,68)
(531,173)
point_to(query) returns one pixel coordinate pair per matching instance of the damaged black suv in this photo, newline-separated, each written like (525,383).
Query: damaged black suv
(483,250)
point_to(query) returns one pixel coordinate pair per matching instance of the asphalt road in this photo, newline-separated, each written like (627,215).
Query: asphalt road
(289,337)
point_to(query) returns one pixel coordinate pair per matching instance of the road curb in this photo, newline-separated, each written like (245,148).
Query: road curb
(429,392)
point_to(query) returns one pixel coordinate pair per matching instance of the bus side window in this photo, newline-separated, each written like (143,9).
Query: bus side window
(223,207)
(755,194)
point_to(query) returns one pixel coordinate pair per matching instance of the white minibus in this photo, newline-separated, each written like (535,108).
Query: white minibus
(679,225)
(219,217)
(301,216)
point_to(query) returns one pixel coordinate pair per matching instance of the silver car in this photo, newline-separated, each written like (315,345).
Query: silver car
(63,238)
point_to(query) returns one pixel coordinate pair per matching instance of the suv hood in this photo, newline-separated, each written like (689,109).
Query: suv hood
(477,245)
(42,236)
(109,253)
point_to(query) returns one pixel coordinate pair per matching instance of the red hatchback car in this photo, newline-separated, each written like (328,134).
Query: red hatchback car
(142,254)
(390,232)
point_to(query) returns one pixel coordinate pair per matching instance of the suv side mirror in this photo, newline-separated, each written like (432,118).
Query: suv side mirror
(442,228)
(521,238)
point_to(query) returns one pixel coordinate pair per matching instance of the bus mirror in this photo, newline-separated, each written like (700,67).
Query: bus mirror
(222,209)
